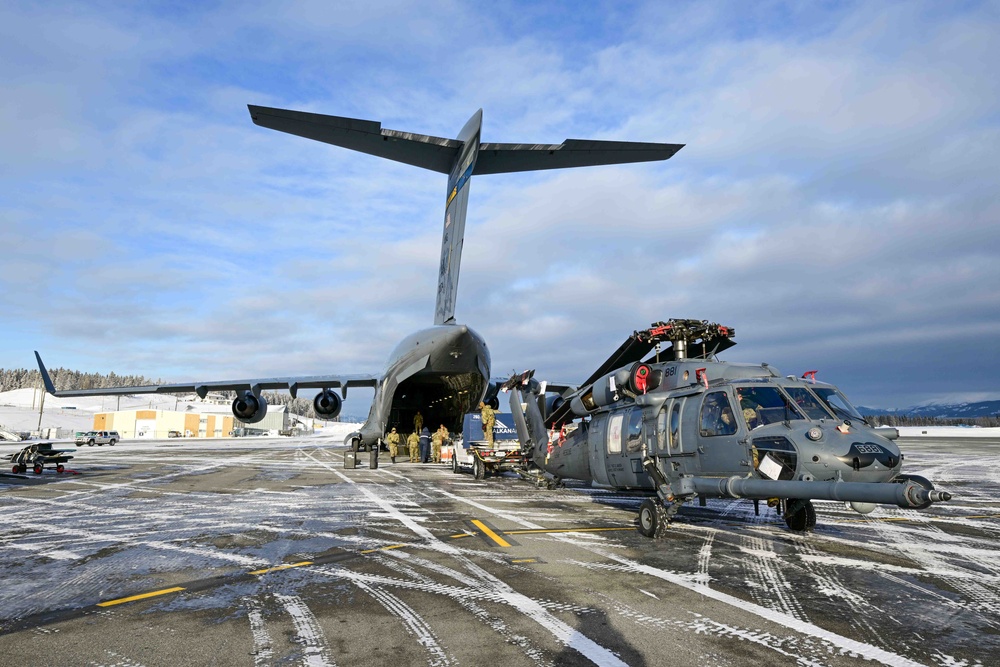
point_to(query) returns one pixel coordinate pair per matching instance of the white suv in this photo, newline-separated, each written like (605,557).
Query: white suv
(98,438)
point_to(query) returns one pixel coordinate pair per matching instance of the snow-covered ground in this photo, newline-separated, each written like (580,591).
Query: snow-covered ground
(948,432)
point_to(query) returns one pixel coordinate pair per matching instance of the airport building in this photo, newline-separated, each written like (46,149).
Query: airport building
(155,424)
(211,421)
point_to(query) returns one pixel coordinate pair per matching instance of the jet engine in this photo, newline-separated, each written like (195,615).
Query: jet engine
(249,408)
(327,404)
(549,403)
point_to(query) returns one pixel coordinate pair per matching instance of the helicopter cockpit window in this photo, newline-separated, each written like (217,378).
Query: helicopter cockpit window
(838,403)
(807,403)
(762,405)
(717,415)
(633,437)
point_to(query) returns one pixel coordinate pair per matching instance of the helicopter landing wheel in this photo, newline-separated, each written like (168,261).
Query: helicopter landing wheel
(800,515)
(653,519)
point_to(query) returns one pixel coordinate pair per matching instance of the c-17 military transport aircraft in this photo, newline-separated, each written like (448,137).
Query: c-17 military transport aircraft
(444,370)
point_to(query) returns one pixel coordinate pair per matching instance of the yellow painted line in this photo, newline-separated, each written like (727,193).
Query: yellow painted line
(277,568)
(489,533)
(394,546)
(455,537)
(563,530)
(524,560)
(133,598)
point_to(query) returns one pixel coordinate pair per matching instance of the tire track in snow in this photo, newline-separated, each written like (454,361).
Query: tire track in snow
(766,581)
(262,651)
(307,632)
(414,623)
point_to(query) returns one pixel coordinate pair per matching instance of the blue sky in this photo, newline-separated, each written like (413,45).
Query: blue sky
(836,201)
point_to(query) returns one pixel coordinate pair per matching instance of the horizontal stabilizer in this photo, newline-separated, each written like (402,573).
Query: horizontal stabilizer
(505,158)
(365,136)
(439,154)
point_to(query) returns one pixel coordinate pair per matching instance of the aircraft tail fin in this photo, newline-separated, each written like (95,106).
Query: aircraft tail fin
(461,159)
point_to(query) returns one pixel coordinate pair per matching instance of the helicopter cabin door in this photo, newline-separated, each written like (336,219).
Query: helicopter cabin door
(719,435)
(624,450)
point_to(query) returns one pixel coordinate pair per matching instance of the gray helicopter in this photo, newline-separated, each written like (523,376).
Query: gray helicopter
(685,425)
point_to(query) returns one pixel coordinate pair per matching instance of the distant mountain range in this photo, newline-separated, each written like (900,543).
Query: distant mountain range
(946,411)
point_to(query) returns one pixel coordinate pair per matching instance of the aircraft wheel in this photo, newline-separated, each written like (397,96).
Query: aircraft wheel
(478,469)
(800,515)
(38,468)
(60,468)
(650,523)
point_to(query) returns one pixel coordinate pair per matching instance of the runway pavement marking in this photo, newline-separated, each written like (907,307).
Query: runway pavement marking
(563,530)
(276,568)
(489,533)
(142,596)
(394,546)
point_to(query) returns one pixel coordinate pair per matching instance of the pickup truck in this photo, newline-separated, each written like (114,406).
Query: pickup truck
(98,438)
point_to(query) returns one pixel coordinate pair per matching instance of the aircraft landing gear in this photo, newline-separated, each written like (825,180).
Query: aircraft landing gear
(653,519)
(800,515)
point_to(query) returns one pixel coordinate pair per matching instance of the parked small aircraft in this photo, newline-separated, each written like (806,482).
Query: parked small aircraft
(443,370)
(685,425)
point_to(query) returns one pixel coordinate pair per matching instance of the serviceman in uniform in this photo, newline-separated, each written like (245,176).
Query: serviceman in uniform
(413,442)
(489,419)
(418,422)
(436,446)
(393,441)
(425,445)
(445,439)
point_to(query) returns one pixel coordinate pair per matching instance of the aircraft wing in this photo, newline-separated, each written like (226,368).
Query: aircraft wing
(293,384)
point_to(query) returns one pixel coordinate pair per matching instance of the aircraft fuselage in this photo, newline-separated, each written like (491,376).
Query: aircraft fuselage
(442,371)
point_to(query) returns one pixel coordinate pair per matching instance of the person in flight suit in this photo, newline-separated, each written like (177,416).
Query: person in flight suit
(489,420)
(418,422)
(413,442)
(393,441)
(425,445)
